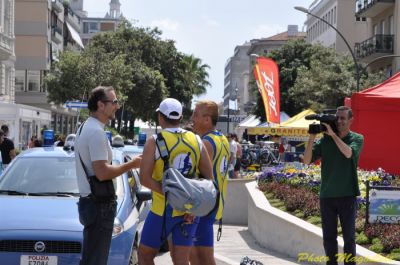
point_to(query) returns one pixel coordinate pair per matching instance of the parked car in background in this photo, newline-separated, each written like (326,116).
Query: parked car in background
(39,216)
(133,150)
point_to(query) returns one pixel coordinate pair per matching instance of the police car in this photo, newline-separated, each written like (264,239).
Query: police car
(39,221)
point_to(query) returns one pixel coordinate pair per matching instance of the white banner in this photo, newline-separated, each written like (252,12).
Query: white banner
(384,206)
(233,104)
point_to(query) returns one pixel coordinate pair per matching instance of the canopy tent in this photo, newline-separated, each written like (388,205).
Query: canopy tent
(376,114)
(249,121)
(295,126)
(252,121)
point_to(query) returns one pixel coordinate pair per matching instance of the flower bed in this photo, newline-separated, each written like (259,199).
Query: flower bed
(295,188)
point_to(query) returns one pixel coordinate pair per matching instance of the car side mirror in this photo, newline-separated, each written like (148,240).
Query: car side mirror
(143,195)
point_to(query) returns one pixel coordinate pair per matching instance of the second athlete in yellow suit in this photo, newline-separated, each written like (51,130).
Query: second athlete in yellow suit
(204,119)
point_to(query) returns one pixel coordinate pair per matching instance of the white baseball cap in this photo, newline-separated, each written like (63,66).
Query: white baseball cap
(171,108)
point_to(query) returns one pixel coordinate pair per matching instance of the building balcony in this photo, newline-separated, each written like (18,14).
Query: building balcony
(57,6)
(56,34)
(72,18)
(371,8)
(32,98)
(378,45)
(6,46)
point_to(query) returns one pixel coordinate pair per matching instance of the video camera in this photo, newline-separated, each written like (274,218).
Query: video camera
(327,118)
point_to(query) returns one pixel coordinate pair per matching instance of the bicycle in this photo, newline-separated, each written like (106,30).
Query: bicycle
(268,157)
(258,157)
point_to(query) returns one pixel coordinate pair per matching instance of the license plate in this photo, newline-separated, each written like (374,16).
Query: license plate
(38,260)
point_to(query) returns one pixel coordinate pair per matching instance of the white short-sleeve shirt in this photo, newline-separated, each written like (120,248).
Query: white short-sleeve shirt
(92,145)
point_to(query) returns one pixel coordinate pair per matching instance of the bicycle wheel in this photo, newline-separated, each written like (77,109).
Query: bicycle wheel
(245,161)
(265,159)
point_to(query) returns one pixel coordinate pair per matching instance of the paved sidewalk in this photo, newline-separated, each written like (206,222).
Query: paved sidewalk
(237,242)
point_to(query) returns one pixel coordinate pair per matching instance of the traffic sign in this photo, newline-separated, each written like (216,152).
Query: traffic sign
(76,104)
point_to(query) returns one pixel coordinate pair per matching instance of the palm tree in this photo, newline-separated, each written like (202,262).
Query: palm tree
(194,75)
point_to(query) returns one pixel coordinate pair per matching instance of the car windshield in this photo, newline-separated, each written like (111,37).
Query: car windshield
(44,175)
(133,150)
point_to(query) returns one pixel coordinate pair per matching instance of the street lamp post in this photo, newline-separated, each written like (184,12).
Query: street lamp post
(227,127)
(229,101)
(357,67)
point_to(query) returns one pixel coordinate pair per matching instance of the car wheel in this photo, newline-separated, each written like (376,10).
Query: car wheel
(134,260)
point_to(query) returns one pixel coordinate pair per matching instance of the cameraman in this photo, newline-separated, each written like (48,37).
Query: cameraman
(339,155)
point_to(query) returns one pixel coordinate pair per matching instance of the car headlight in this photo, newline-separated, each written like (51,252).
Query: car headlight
(118,227)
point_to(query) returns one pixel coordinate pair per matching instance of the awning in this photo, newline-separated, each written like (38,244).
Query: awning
(249,121)
(297,126)
(75,35)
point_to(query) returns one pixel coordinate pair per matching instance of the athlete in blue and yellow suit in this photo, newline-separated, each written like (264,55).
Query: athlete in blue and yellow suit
(204,119)
(187,155)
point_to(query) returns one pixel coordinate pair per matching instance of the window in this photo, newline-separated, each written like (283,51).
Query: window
(34,81)
(334,15)
(391,25)
(85,27)
(93,27)
(7,18)
(7,80)
(2,15)
(19,80)
(382,27)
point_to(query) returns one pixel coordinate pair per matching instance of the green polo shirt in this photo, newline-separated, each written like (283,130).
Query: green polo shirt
(338,173)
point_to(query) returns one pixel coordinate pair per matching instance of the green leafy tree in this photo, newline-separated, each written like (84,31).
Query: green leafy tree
(193,79)
(313,76)
(141,66)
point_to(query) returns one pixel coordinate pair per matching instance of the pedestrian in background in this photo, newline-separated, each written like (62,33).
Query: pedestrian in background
(237,166)
(187,154)
(37,143)
(93,157)
(32,141)
(232,160)
(339,155)
(7,147)
(205,117)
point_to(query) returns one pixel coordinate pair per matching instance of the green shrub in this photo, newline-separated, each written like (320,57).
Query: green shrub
(394,256)
(299,215)
(378,248)
(361,238)
(315,220)
(376,245)
(396,250)
(376,241)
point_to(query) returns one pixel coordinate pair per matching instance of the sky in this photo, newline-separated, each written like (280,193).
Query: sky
(209,29)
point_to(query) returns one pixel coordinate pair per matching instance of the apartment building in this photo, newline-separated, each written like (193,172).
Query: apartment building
(340,14)
(238,68)
(19,118)
(381,46)
(236,77)
(90,26)
(7,55)
(43,28)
